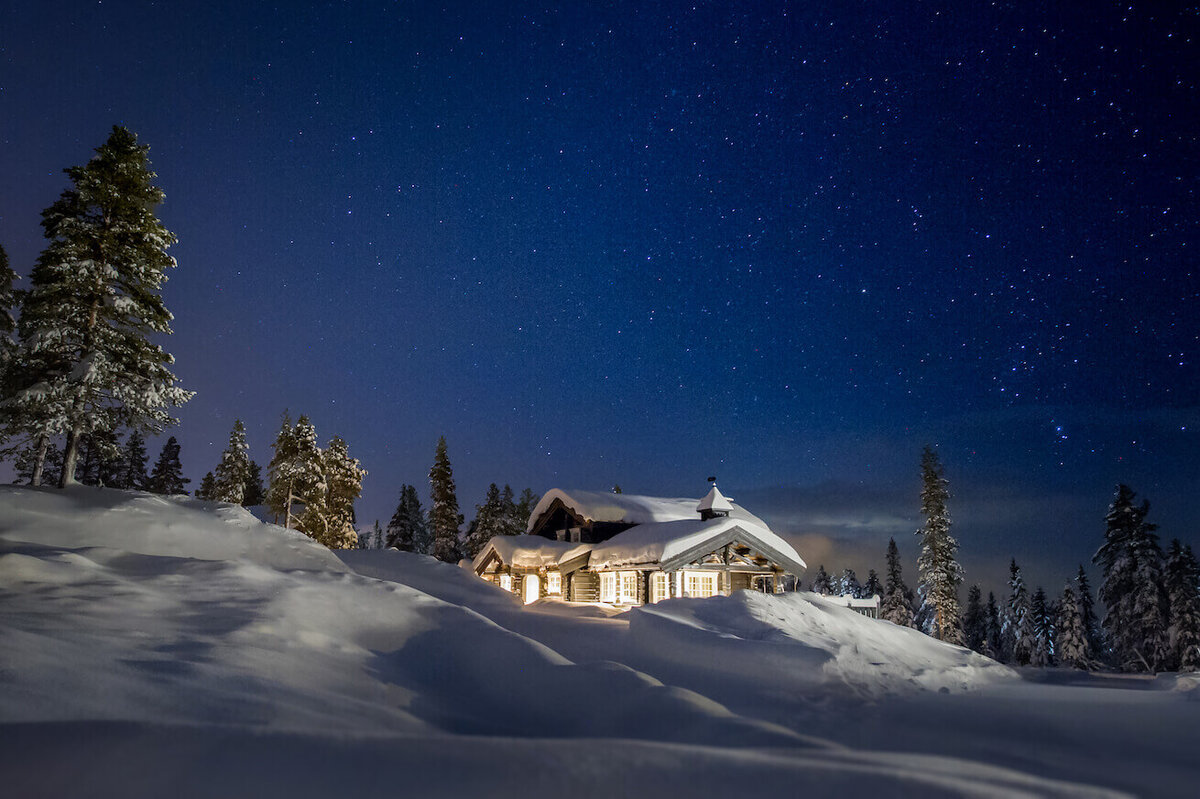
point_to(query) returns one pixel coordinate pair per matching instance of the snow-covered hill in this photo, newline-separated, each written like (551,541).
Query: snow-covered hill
(166,646)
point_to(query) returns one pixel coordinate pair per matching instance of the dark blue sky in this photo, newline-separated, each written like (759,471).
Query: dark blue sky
(643,243)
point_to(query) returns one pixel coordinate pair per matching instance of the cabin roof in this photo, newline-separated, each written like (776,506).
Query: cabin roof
(675,543)
(604,506)
(666,532)
(529,551)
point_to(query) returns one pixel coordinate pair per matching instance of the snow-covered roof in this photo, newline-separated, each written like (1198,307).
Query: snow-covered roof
(714,500)
(674,543)
(667,533)
(529,551)
(604,506)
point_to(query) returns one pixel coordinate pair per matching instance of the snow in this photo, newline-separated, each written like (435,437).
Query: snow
(530,551)
(600,506)
(156,646)
(663,542)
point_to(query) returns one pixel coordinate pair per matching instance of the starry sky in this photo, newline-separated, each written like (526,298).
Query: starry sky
(786,244)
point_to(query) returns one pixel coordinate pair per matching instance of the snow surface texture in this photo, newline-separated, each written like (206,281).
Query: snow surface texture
(155,646)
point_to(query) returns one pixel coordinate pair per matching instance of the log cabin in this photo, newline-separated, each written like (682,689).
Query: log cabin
(625,550)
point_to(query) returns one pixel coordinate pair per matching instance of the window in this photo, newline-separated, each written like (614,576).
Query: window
(608,587)
(700,584)
(553,583)
(575,534)
(659,586)
(629,587)
(506,582)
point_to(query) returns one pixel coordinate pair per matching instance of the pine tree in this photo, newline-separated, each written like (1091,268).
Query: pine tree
(1042,629)
(93,304)
(1072,647)
(254,493)
(444,518)
(1183,595)
(939,570)
(897,601)
(232,473)
(407,531)
(167,477)
(1087,612)
(134,462)
(208,487)
(975,621)
(872,587)
(1132,591)
(821,582)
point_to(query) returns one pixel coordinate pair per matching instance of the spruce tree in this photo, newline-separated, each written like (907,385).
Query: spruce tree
(343,485)
(94,303)
(297,475)
(99,461)
(232,473)
(848,585)
(1017,630)
(26,461)
(8,322)
(975,621)
(1042,628)
(134,462)
(1132,590)
(1087,612)
(821,582)
(254,493)
(897,600)
(1071,645)
(1183,596)
(940,574)
(525,507)
(208,487)
(872,587)
(993,644)
(511,521)
(167,477)
(444,518)
(489,522)
(407,530)
(8,345)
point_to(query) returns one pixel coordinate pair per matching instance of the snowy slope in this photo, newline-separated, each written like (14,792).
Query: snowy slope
(814,642)
(157,646)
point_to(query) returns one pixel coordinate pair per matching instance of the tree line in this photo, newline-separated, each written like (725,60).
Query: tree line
(1151,599)
(439,532)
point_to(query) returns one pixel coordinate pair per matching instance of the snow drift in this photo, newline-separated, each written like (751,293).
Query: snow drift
(162,645)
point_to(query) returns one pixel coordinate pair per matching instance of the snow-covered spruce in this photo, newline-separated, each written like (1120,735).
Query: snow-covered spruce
(85,361)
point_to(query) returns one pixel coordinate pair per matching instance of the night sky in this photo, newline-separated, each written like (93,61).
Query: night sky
(644,243)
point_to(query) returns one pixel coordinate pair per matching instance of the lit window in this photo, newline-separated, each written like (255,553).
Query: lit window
(629,589)
(553,583)
(659,587)
(506,582)
(608,587)
(701,584)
